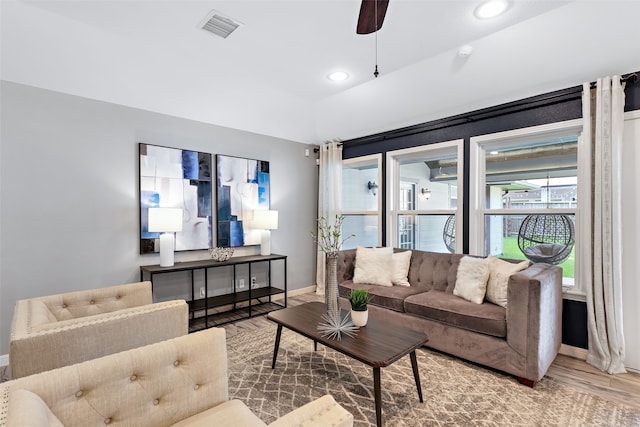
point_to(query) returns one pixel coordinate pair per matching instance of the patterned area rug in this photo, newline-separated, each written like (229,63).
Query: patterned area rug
(455,392)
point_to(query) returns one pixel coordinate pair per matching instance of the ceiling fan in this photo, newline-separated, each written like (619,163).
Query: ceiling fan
(370,21)
(371,16)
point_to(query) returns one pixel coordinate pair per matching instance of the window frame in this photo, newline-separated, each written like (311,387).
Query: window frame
(393,162)
(367,160)
(479,145)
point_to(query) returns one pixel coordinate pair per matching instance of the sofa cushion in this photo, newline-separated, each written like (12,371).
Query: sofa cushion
(400,270)
(231,413)
(391,297)
(374,266)
(471,280)
(322,412)
(485,318)
(27,409)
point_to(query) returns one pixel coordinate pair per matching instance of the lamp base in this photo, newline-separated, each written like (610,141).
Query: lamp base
(167,246)
(265,243)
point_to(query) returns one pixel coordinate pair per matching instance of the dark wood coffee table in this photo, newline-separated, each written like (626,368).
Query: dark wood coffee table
(378,344)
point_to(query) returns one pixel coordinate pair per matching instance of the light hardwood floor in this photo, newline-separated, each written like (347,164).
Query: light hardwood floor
(623,388)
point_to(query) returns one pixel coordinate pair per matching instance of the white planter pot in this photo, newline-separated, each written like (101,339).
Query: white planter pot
(359,318)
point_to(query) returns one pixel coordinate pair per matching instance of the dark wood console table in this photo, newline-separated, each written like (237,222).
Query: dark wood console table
(259,300)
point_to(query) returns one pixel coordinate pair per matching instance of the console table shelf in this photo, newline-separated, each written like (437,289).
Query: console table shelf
(253,302)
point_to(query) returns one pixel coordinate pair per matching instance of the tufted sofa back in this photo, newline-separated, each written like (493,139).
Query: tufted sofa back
(433,270)
(85,303)
(428,270)
(159,384)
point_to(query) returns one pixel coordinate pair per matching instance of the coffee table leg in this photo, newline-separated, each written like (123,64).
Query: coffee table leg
(416,374)
(378,396)
(275,348)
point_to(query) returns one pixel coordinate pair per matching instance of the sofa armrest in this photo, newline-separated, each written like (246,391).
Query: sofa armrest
(534,317)
(324,411)
(28,410)
(53,345)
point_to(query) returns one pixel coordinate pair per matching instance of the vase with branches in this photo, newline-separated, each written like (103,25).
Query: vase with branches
(328,236)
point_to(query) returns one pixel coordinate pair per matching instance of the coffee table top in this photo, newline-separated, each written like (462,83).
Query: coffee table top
(378,344)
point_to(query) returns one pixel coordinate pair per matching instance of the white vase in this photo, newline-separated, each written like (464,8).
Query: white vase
(359,318)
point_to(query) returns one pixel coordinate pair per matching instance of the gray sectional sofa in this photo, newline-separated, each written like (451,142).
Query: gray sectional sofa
(522,339)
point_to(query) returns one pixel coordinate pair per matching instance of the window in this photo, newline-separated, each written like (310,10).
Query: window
(526,195)
(361,201)
(422,197)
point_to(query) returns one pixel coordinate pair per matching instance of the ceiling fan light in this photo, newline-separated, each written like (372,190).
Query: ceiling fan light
(338,76)
(491,9)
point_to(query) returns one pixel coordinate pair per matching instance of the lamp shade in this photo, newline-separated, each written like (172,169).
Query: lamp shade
(265,220)
(165,219)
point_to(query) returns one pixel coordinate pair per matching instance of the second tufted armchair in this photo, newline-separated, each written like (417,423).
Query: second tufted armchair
(58,330)
(178,382)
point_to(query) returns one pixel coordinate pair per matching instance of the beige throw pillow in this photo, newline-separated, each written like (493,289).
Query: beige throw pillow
(401,263)
(499,272)
(471,279)
(373,266)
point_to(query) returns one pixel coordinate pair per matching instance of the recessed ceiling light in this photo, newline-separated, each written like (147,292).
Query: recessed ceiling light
(491,8)
(464,51)
(338,76)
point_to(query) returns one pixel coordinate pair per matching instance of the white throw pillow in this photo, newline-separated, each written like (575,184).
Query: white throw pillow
(401,263)
(373,266)
(471,279)
(499,272)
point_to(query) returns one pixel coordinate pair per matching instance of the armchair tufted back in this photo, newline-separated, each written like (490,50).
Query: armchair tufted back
(85,303)
(157,385)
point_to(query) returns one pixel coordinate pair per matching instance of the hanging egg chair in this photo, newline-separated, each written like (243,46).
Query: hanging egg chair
(546,238)
(449,233)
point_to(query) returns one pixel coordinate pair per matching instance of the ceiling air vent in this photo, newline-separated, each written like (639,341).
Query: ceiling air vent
(219,25)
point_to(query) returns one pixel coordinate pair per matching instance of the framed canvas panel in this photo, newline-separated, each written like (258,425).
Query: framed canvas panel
(175,178)
(242,187)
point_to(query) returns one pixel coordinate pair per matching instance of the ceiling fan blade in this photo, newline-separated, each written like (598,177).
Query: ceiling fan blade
(367,18)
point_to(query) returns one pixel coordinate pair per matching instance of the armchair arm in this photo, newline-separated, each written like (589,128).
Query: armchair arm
(57,344)
(324,411)
(534,317)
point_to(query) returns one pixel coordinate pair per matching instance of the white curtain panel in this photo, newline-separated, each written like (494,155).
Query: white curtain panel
(604,124)
(329,197)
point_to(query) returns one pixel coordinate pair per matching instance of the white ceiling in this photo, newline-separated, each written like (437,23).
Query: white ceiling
(269,76)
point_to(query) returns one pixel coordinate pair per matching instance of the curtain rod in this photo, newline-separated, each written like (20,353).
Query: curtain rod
(317,149)
(629,78)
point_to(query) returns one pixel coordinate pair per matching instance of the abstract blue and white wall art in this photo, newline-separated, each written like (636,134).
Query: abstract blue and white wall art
(242,187)
(175,178)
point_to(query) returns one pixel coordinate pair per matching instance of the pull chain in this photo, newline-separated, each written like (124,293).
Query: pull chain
(375,72)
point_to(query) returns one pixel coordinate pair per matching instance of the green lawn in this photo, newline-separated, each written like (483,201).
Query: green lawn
(511,250)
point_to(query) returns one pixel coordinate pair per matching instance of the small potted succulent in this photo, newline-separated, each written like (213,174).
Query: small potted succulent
(359,298)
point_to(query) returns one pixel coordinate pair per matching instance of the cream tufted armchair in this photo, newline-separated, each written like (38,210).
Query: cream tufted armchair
(179,382)
(59,330)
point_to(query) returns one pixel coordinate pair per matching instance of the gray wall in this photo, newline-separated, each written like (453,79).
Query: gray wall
(69,193)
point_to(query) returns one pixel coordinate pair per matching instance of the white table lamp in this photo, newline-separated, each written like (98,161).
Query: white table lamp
(166,221)
(265,220)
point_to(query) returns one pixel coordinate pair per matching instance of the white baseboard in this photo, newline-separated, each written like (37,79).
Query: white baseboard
(302,291)
(4,359)
(296,292)
(577,352)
